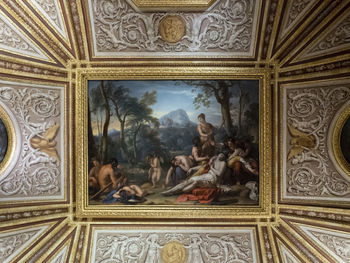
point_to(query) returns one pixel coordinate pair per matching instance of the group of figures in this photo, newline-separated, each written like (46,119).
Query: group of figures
(207,173)
(111,179)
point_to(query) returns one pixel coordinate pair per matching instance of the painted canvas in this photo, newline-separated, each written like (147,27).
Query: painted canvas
(173,142)
(3,140)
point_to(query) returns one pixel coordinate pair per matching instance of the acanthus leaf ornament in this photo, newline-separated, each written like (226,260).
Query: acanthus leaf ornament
(10,38)
(296,8)
(38,172)
(339,36)
(173,247)
(10,244)
(119,28)
(308,172)
(50,8)
(333,241)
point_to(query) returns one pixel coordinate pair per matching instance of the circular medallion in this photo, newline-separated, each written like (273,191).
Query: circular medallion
(172,28)
(3,140)
(345,140)
(173,252)
(8,141)
(340,141)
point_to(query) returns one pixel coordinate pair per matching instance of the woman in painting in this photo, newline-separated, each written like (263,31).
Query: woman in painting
(93,175)
(206,132)
(210,179)
(178,170)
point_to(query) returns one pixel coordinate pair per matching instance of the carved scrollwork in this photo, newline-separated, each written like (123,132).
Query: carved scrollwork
(227,27)
(157,247)
(309,113)
(49,8)
(297,7)
(10,38)
(339,36)
(38,172)
(9,244)
(338,245)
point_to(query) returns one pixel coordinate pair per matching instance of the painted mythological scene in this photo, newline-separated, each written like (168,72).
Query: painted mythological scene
(173,142)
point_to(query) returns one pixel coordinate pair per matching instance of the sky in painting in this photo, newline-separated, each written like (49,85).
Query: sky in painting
(177,94)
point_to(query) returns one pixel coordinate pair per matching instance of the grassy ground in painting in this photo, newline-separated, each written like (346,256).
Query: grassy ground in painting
(153,196)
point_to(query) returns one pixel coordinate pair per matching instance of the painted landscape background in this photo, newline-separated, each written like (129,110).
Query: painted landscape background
(129,120)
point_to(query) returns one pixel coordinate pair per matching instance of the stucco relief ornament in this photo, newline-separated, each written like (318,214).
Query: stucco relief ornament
(297,7)
(157,248)
(173,252)
(118,27)
(50,9)
(8,37)
(9,244)
(172,28)
(339,36)
(309,113)
(340,246)
(38,171)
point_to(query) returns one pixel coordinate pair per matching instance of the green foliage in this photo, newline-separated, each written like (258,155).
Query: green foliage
(251,114)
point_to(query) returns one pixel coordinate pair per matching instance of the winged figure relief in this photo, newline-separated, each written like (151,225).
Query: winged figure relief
(46,142)
(300,141)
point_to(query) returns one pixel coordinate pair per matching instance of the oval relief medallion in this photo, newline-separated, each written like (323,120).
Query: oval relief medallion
(172,28)
(173,252)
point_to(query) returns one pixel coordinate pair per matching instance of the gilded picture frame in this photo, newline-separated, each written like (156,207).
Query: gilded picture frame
(163,213)
(340,129)
(12,143)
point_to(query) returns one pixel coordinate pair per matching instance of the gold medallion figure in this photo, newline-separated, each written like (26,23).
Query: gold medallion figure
(172,28)
(173,252)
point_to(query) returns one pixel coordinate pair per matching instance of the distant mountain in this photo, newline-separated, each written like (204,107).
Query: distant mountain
(177,118)
(113,132)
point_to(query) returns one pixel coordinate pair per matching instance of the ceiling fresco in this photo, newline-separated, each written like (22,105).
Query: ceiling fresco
(304,45)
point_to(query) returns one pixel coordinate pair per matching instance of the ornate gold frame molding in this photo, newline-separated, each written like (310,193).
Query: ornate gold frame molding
(168,5)
(12,140)
(184,215)
(335,133)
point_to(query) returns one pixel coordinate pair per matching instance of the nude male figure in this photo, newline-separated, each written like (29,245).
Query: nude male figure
(206,132)
(110,173)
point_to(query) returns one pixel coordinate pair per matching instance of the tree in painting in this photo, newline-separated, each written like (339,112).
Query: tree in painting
(168,142)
